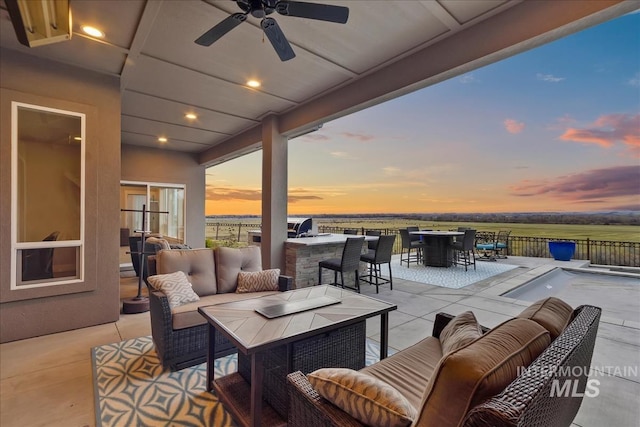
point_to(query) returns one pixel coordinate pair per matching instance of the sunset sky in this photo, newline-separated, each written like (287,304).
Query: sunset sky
(553,129)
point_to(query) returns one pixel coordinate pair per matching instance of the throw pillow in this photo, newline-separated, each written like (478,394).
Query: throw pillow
(258,281)
(175,286)
(367,399)
(460,331)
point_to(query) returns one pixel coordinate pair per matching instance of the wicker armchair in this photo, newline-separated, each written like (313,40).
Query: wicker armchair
(527,402)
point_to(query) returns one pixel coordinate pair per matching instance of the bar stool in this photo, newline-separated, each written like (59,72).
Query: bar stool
(381,255)
(350,261)
(409,244)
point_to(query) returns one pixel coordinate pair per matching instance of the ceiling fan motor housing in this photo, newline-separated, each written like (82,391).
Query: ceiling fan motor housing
(257,8)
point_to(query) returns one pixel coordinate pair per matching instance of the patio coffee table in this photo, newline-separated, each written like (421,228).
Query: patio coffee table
(333,335)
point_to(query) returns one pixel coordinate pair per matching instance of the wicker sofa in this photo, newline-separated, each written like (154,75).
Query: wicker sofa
(434,383)
(180,334)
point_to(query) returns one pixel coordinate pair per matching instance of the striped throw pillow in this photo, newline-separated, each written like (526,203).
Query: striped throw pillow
(258,281)
(367,399)
(175,286)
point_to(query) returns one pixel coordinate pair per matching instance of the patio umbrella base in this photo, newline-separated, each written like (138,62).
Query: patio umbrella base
(135,305)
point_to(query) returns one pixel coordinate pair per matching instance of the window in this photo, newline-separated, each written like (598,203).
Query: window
(48,151)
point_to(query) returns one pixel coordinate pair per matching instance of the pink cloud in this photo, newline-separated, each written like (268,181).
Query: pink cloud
(358,136)
(607,130)
(592,185)
(513,126)
(315,137)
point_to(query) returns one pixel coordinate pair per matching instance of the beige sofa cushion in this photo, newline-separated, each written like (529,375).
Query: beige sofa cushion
(552,313)
(231,261)
(366,398)
(186,316)
(197,264)
(460,331)
(416,363)
(472,374)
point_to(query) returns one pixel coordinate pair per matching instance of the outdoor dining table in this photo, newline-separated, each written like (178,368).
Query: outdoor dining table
(436,249)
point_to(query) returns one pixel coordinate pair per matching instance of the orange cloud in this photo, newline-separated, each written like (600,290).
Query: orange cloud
(513,126)
(607,130)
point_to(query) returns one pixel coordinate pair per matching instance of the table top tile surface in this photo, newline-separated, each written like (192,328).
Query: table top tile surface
(251,331)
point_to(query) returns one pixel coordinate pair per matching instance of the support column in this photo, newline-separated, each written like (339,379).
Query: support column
(274,194)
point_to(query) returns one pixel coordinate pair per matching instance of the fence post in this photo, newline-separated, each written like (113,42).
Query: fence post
(217,229)
(239,229)
(588,250)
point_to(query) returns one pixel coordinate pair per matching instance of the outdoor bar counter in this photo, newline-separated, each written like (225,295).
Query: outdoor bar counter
(304,253)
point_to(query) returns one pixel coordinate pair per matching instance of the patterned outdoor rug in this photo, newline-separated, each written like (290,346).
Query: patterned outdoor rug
(453,277)
(131,388)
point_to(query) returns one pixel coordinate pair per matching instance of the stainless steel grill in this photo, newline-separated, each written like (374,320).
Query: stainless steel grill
(298,226)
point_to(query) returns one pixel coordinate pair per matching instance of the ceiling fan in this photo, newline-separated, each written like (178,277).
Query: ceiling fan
(262,8)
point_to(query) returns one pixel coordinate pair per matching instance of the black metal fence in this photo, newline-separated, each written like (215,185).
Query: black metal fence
(603,252)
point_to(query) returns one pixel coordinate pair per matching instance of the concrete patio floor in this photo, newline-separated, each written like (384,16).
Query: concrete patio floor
(617,344)
(53,372)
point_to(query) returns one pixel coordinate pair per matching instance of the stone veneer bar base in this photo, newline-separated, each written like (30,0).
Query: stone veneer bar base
(302,260)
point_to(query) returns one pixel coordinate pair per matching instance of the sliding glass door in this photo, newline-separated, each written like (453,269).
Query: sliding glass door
(165,204)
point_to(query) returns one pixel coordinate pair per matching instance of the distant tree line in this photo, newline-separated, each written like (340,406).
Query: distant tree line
(615,218)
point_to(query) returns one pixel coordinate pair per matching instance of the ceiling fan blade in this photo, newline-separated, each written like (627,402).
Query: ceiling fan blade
(277,39)
(222,28)
(322,12)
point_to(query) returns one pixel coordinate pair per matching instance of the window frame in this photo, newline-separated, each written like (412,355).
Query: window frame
(16,246)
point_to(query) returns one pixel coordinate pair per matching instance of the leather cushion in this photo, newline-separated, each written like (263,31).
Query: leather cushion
(416,362)
(460,331)
(552,313)
(480,370)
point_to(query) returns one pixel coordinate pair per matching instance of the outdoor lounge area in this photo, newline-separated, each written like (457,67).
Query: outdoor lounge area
(111,119)
(56,370)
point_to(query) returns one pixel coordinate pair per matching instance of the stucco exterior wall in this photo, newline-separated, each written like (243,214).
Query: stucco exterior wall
(32,312)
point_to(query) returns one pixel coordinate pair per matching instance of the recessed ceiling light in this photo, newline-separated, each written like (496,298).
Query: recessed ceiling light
(162,139)
(92,31)
(190,116)
(253,83)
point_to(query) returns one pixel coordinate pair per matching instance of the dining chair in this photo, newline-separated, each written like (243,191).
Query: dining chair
(350,231)
(502,244)
(381,255)
(371,245)
(486,242)
(349,262)
(409,245)
(465,249)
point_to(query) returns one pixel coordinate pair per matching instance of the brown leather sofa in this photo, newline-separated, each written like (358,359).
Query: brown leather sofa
(180,333)
(515,374)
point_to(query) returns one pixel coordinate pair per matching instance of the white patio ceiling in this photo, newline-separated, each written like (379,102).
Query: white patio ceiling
(387,48)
